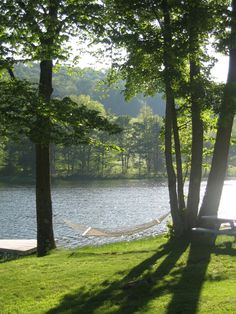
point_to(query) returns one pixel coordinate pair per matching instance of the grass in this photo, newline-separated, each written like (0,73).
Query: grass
(147,276)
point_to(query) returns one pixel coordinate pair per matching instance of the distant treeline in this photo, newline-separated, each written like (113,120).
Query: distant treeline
(141,154)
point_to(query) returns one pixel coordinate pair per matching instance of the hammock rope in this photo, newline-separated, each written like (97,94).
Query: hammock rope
(99,232)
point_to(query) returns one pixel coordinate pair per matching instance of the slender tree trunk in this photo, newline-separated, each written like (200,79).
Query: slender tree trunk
(103,162)
(83,160)
(122,163)
(196,167)
(139,165)
(127,162)
(68,168)
(197,124)
(174,206)
(72,159)
(45,237)
(179,168)
(217,174)
(89,153)
(52,155)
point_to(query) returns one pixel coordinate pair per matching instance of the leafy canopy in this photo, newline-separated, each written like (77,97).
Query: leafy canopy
(58,121)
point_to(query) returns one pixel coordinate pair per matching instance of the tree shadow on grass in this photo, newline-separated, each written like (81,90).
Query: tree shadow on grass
(186,294)
(162,275)
(132,293)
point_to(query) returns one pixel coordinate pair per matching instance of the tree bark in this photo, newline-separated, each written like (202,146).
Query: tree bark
(196,166)
(217,174)
(45,237)
(174,205)
(170,103)
(196,94)
(178,157)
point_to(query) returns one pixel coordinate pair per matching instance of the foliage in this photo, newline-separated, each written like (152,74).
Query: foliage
(167,51)
(141,154)
(59,121)
(40,31)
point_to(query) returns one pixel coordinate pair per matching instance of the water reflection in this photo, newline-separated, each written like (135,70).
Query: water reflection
(228,200)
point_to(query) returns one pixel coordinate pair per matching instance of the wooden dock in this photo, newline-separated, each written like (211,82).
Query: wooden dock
(18,246)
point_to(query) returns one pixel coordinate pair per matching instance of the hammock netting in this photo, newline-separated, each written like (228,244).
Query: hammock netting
(99,232)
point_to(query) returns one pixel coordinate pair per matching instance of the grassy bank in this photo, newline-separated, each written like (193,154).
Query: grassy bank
(148,276)
(59,180)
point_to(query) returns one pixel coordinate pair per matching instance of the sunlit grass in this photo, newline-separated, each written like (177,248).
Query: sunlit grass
(148,276)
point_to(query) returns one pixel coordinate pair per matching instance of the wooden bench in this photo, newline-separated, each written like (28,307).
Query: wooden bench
(218,222)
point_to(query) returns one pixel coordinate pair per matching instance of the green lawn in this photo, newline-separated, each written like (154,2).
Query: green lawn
(148,276)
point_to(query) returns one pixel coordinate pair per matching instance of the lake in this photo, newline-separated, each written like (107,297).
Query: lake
(106,204)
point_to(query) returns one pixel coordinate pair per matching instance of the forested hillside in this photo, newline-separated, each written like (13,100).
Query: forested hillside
(88,81)
(141,139)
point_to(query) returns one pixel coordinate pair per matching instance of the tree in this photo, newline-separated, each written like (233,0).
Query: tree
(145,30)
(38,31)
(149,138)
(22,111)
(217,174)
(165,43)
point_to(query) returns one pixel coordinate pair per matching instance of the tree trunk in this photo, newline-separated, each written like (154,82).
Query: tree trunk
(217,174)
(122,163)
(45,237)
(179,168)
(196,94)
(52,154)
(174,206)
(196,166)
(127,162)
(175,212)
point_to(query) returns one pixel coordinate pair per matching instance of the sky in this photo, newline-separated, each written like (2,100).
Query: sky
(87,59)
(219,72)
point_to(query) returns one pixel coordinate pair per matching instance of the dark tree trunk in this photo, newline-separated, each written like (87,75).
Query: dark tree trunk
(196,94)
(217,174)
(52,155)
(45,235)
(83,160)
(196,167)
(122,163)
(179,168)
(174,206)
(139,165)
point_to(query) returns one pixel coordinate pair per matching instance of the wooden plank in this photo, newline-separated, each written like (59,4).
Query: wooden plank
(18,246)
(228,232)
(220,219)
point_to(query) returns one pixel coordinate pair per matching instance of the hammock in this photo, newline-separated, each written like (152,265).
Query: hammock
(98,232)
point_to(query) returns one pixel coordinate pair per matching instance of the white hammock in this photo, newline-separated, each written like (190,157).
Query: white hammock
(98,232)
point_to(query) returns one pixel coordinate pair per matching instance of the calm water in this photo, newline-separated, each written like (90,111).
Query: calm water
(104,204)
